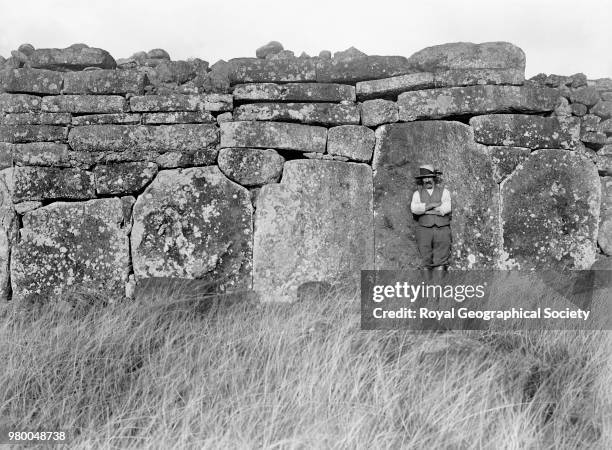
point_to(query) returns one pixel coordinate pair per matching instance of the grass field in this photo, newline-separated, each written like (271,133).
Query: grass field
(175,373)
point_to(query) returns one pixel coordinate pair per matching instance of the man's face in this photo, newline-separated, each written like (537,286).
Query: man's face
(428,182)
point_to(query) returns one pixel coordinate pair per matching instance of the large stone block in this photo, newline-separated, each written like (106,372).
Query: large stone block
(520,130)
(286,136)
(19,103)
(253,70)
(181,102)
(106,82)
(50,183)
(474,100)
(251,166)
(32,133)
(550,212)
(126,178)
(506,159)
(469,77)
(377,112)
(353,141)
(162,138)
(603,109)
(294,92)
(315,113)
(68,245)
(194,223)
(362,68)
(36,119)
(6,155)
(168,118)
(71,58)
(604,237)
(316,225)
(82,104)
(106,119)
(31,81)
(8,230)
(41,154)
(466,55)
(467,174)
(391,87)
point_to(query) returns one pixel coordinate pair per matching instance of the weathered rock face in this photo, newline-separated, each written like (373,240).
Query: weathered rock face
(71,58)
(253,70)
(506,159)
(36,119)
(32,133)
(390,87)
(604,238)
(31,81)
(126,178)
(8,229)
(180,102)
(106,119)
(362,68)
(47,183)
(271,48)
(19,103)
(377,112)
(287,136)
(316,225)
(467,169)
(251,166)
(71,244)
(81,104)
(107,82)
(353,141)
(316,113)
(193,223)
(40,154)
(294,92)
(550,212)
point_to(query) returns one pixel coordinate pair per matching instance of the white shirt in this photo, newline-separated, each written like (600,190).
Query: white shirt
(417,207)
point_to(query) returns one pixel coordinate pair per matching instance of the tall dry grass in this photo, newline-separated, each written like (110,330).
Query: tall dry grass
(168,373)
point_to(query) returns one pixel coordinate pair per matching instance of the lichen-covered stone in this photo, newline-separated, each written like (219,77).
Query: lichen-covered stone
(469,77)
(66,245)
(315,113)
(71,58)
(356,142)
(391,87)
(194,223)
(50,183)
(550,212)
(467,174)
(377,112)
(162,138)
(519,130)
(82,104)
(106,119)
(361,69)
(8,229)
(36,119)
(181,102)
(126,178)
(286,136)
(473,100)
(24,207)
(605,126)
(604,237)
(253,70)
(294,92)
(19,103)
(31,81)
(105,82)
(586,95)
(316,225)
(251,166)
(6,155)
(41,154)
(466,55)
(172,160)
(506,159)
(602,109)
(32,133)
(578,109)
(168,118)
(270,48)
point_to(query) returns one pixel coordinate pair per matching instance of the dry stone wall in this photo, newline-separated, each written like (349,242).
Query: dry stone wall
(273,172)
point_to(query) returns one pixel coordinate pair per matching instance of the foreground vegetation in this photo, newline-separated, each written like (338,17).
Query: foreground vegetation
(195,373)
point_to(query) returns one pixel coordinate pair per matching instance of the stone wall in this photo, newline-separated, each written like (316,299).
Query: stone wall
(266,173)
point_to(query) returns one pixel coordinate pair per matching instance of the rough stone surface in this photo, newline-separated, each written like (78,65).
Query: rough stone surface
(253,70)
(24,207)
(362,69)
(353,141)
(193,223)
(391,87)
(467,174)
(294,92)
(8,229)
(172,160)
(81,104)
(66,245)
(71,58)
(19,103)
(349,53)
(36,119)
(473,100)
(126,178)
(106,119)
(550,212)
(50,183)
(270,48)
(31,81)
(181,102)
(41,154)
(466,55)
(6,155)
(578,109)
(162,138)
(469,77)
(251,166)
(316,225)
(377,112)
(105,82)
(161,118)
(602,109)
(315,113)
(521,130)
(604,238)
(506,159)
(31,133)
(587,96)
(285,136)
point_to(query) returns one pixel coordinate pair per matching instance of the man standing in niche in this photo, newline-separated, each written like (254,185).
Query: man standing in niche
(431,207)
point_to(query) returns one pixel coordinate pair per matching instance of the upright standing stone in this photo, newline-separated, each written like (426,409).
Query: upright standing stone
(604,238)
(316,225)
(8,229)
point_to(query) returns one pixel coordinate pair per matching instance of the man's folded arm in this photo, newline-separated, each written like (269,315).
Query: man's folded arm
(445,207)
(416,206)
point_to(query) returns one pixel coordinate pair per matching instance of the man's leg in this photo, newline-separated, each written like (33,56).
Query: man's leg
(424,237)
(441,246)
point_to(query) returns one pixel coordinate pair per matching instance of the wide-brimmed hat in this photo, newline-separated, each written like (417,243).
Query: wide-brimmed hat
(428,171)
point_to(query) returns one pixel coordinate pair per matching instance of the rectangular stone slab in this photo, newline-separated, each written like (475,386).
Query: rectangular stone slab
(161,118)
(36,119)
(294,92)
(162,138)
(104,82)
(71,58)
(315,113)
(48,183)
(469,77)
(362,68)
(474,100)
(19,103)
(254,70)
(181,102)
(106,119)
(32,81)
(80,104)
(31,133)
(391,87)
(41,154)
(278,135)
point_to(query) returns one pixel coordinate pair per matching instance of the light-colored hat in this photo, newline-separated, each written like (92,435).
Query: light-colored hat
(427,171)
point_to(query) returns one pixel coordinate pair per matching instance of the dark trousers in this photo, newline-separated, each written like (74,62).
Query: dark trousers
(434,244)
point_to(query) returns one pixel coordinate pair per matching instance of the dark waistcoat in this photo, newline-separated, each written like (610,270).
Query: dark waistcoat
(429,220)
